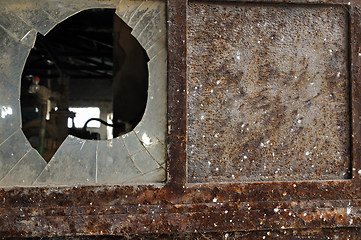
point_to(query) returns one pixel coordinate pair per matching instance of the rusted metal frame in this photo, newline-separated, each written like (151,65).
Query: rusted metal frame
(178,206)
(177,97)
(355,76)
(87,210)
(90,196)
(234,216)
(308,2)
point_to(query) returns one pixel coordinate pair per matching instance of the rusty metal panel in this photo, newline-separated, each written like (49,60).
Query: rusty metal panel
(268,92)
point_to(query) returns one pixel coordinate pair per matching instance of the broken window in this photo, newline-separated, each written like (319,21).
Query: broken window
(73,66)
(137,151)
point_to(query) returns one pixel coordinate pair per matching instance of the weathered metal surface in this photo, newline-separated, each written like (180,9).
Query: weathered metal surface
(339,233)
(117,210)
(157,209)
(289,208)
(268,93)
(177,119)
(355,75)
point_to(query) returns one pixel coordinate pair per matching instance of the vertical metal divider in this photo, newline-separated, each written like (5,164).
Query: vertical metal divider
(177,93)
(355,84)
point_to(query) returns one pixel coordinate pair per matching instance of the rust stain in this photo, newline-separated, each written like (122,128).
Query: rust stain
(177,115)
(268,93)
(158,209)
(177,209)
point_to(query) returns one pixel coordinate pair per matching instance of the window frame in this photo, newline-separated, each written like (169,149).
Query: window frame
(176,205)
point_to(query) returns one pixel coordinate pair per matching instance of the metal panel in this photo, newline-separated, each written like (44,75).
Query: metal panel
(268,92)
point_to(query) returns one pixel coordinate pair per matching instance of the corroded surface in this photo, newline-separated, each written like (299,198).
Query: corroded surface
(338,233)
(293,210)
(115,210)
(268,93)
(177,96)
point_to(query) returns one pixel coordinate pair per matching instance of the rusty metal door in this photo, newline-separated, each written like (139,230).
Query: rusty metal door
(263,133)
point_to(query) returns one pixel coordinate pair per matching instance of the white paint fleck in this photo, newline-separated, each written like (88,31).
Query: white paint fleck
(6,111)
(348,210)
(146,140)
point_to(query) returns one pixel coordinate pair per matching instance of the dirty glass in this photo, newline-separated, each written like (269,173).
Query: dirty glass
(268,93)
(138,156)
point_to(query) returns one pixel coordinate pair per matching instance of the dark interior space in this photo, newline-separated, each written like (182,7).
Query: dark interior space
(88,61)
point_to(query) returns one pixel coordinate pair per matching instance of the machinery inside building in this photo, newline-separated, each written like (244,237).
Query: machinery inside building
(87,77)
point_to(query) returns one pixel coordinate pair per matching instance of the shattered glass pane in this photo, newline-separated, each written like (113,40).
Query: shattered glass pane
(138,156)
